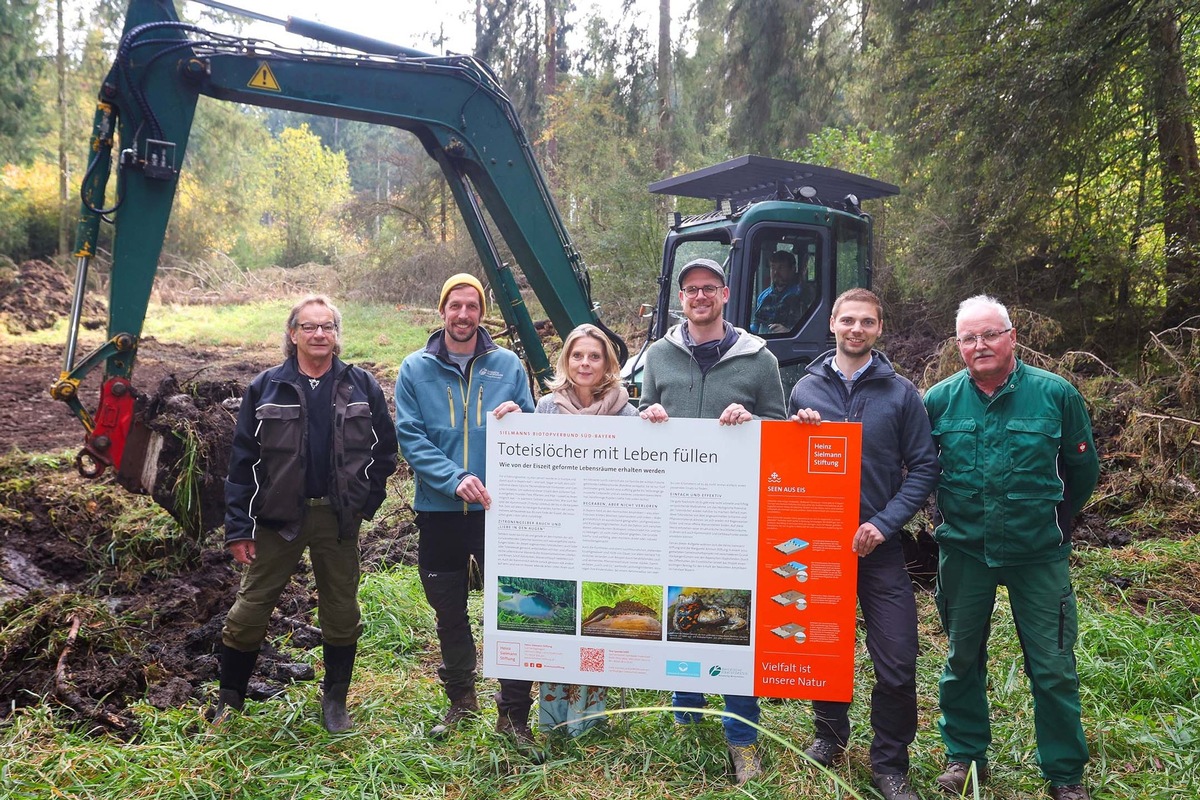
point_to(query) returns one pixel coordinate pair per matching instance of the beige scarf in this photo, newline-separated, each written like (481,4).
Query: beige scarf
(607,405)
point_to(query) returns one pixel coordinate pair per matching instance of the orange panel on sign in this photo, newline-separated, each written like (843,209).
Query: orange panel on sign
(805,600)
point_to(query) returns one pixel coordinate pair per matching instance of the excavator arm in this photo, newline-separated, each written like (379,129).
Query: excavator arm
(452,104)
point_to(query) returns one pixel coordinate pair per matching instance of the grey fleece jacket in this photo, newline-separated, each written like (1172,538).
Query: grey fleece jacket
(896,435)
(748,374)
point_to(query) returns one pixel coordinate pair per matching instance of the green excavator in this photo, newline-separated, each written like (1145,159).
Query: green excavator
(462,117)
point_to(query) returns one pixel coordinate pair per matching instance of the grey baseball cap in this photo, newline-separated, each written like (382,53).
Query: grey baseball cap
(702,263)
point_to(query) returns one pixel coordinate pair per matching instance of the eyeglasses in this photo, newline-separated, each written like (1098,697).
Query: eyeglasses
(708,291)
(987,337)
(310,328)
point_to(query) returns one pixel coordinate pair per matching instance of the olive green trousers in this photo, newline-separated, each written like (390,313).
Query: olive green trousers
(335,568)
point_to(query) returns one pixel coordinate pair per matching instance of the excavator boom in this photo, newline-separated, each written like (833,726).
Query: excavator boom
(452,104)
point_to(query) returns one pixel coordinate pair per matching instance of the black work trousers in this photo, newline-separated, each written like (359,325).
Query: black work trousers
(451,543)
(889,610)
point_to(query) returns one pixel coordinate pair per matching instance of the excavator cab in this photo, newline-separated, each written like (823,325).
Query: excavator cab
(768,210)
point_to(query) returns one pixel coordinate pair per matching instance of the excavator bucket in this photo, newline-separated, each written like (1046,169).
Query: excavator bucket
(138,471)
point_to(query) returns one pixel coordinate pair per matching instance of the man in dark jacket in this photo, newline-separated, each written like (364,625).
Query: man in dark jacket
(855,383)
(312,452)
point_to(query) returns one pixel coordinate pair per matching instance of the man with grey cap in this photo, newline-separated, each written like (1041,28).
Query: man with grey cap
(706,368)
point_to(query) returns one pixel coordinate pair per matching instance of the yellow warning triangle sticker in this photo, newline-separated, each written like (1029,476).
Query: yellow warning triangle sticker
(264,79)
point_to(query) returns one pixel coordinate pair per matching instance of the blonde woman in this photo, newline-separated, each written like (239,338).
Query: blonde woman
(587,381)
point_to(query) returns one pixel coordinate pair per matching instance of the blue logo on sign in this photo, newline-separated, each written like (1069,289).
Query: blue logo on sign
(683,669)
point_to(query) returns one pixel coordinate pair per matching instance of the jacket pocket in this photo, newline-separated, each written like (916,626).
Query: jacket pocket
(278,429)
(961,510)
(957,442)
(358,443)
(1033,444)
(357,432)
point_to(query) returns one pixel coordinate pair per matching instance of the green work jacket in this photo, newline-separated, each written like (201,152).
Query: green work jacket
(1016,467)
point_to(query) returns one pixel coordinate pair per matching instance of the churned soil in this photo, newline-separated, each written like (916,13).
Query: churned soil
(91,636)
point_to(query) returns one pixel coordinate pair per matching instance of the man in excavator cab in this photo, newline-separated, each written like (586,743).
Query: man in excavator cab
(782,303)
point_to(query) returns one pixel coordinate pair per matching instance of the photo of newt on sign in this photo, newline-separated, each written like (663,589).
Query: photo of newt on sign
(622,611)
(534,604)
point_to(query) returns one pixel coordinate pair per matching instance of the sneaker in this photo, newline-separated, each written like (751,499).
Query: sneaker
(1073,792)
(893,787)
(958,777)
(747,765)
(825,752)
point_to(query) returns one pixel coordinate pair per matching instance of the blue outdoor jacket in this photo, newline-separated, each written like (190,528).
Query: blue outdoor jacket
(442,414)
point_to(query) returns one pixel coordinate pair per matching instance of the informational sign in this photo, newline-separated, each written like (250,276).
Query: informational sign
(683,555)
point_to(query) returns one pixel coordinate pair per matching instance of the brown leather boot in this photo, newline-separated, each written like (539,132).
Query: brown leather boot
(517,729)
(463,705)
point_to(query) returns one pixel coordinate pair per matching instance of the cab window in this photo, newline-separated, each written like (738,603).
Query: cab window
(786,284)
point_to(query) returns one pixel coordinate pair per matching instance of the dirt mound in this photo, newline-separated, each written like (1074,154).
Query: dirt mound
(194,423)
(103,603)
(37,295)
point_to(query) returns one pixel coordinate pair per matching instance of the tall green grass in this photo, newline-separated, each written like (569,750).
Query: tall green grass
(1139,688)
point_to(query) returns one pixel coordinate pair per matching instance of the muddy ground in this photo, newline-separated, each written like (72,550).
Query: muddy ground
(90,622)
(94,618)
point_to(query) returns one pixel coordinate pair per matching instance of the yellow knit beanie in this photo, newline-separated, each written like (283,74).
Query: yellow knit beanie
(463,279)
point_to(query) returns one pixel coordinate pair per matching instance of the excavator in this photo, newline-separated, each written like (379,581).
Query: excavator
(459,112)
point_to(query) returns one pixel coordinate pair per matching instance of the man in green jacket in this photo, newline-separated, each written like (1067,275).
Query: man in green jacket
(707,369)
(1017,465)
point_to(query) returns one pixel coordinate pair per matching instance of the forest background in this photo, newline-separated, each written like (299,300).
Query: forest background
(1046,151)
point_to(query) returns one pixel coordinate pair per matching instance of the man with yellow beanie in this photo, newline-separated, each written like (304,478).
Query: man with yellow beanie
(444,394)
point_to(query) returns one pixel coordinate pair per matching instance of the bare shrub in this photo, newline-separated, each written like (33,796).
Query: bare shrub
(218,280)
(409,273)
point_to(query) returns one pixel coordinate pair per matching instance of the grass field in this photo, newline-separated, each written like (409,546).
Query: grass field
(1139,664)
(1139,675)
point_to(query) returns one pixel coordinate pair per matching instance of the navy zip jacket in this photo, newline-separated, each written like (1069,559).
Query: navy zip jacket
(265,485)
(896,436)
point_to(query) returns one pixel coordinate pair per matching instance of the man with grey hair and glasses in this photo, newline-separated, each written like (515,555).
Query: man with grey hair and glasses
(1018,463)
(312,452)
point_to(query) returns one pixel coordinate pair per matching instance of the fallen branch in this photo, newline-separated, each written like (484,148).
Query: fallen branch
(1165,417)
(298,624)
(71,698)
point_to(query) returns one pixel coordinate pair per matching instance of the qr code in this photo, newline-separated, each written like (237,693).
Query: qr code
(591,659)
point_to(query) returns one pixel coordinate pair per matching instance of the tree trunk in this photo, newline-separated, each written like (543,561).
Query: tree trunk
(64,205)
(1180,171)
(662,151)
(550,81)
